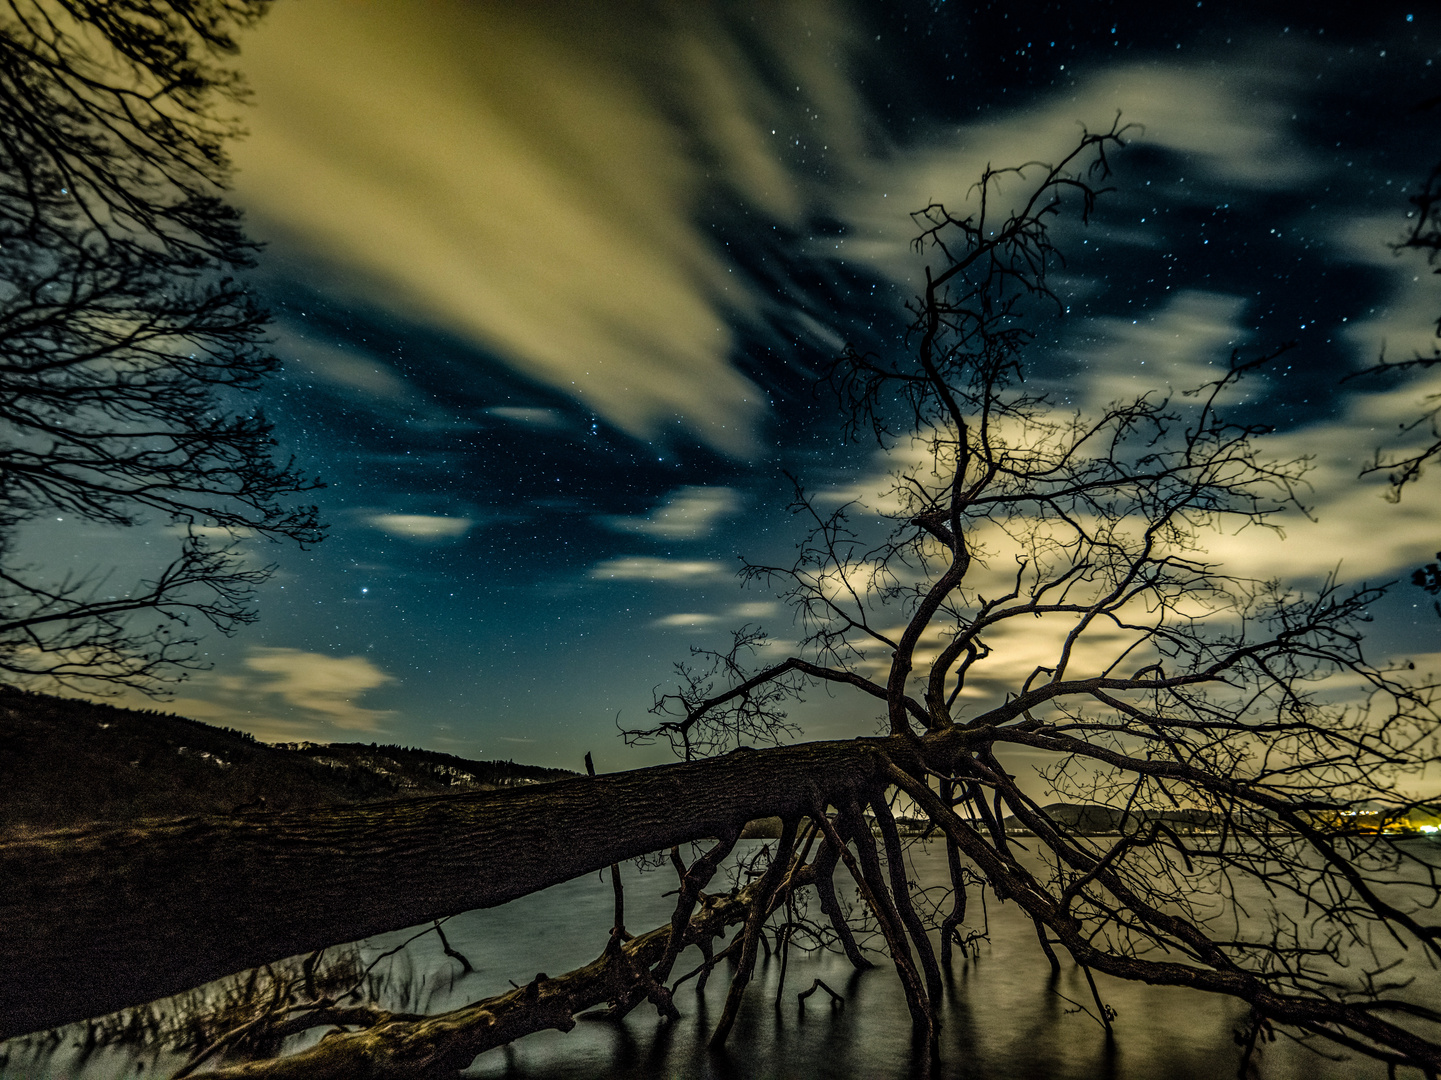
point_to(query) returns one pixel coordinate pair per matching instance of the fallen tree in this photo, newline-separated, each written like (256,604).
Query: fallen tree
(630,970)
(1165,683)
(100,918)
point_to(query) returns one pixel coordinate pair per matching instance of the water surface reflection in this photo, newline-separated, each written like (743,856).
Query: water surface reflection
(1004,1017)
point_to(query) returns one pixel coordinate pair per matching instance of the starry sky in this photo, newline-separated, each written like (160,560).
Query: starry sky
(553,283)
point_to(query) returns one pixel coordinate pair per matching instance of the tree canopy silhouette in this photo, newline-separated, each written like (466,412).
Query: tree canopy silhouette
(1044,594)
(1423,234)
(124,339)
(1163,682)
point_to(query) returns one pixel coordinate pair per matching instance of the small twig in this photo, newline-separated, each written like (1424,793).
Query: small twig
(709,963)
(390,952)
(444,944)
(836,999)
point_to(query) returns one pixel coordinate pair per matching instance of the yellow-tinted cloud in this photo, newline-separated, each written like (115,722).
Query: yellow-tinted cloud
(733,617)
(1203,113)
(243,714)
(1019,647)
(645,568)
(421,526)
(518,174)
(689,619)
(1181,346)
(1405,326)
(362,373)
(285,695)
(1356,529)
(760,609)
(326,687)
(530,176)
(688,513)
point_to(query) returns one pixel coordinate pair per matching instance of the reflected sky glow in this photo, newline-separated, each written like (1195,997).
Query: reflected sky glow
(553,282)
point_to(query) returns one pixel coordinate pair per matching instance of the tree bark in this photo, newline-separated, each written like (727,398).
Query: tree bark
(100,918)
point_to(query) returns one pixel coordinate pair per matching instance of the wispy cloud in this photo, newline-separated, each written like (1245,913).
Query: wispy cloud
(358,372)
(732,616)
(1355,528)
(1405,325)
(519,414)
(463,168)
(1181,346)
(286,695)
(688,513)
(760,609)
(646,568)
(420,526)
(1209,115)
(327,687)
(688,619)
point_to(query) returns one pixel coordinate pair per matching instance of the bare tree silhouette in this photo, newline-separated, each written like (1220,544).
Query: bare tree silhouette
(1405,467)
(1424,234)
(1231,732)
(123,342)
(1171,685)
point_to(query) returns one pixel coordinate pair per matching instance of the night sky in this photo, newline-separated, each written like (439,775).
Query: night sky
(553,283)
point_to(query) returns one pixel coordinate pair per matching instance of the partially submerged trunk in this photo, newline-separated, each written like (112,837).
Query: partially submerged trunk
(99,919)
(402,1048)
(96,920)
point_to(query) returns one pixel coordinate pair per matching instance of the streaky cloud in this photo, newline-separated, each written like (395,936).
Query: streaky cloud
(688,513)
(646,568)
(421,526)
(510,173)
(325,687)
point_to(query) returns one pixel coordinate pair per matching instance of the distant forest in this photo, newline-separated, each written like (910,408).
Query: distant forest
(65,762)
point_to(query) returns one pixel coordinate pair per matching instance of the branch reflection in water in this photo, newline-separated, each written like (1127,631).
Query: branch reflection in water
(1005,1016)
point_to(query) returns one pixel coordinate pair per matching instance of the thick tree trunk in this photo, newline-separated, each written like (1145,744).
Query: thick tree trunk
(98,919)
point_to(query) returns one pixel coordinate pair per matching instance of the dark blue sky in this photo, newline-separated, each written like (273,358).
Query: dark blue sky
(554,284)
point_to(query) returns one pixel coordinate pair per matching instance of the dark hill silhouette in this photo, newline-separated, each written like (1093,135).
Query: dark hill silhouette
(65,762)
(1091,818)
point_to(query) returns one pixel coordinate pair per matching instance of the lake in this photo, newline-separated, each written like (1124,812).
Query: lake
(1002,1019)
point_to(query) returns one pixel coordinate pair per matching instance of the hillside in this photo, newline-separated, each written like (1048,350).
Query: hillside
(1093,819)
(64,762)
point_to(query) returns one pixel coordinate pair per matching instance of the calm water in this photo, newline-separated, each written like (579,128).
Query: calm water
(1002,1019)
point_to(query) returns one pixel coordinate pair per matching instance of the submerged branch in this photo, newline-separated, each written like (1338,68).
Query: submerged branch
(402,1049)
